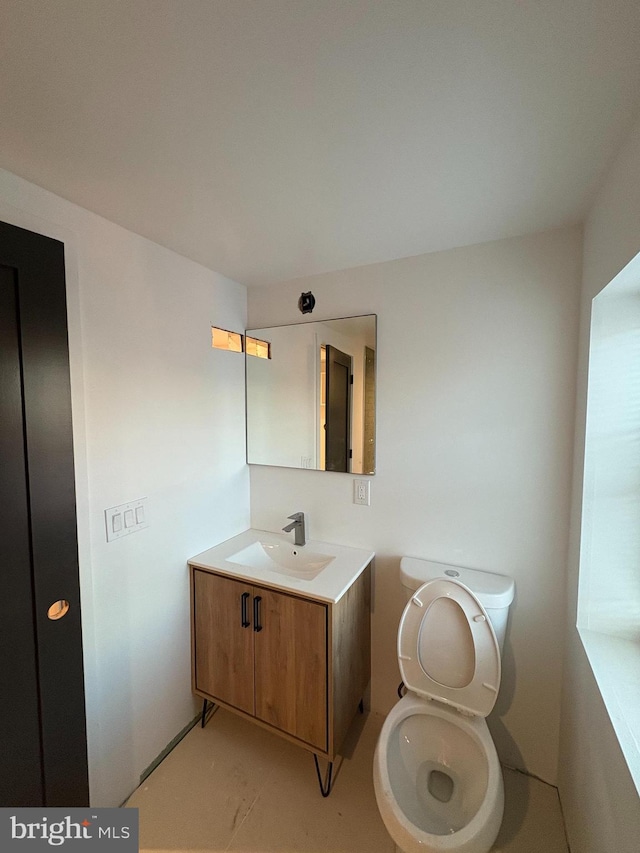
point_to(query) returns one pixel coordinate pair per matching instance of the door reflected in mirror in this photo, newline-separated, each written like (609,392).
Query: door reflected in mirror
(312,403)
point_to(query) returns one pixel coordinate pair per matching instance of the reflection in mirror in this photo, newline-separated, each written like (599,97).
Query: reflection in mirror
(312,403)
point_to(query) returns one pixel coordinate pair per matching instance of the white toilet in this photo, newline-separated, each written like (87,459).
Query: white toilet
(437,777)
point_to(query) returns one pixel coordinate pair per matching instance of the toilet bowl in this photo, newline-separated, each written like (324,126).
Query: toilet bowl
(437,778)
(422,745)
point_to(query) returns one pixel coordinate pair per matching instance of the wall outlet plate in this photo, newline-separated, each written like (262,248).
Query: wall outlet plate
(362,492)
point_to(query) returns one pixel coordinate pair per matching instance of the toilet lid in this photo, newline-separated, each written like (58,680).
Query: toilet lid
(447,648)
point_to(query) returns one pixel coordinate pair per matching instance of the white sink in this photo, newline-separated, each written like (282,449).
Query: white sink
(284,558)
(323,571)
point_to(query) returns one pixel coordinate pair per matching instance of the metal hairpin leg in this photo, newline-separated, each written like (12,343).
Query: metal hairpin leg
(203,719)
(325,787)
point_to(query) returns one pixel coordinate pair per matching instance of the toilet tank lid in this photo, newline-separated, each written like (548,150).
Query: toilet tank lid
(492,591)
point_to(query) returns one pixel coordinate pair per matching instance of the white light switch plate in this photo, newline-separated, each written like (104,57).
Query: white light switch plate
(362,492)
(125,519)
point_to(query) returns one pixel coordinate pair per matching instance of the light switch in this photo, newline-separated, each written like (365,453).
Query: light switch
(125,519)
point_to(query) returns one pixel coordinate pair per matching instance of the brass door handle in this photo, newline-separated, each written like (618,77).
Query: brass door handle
(58,609)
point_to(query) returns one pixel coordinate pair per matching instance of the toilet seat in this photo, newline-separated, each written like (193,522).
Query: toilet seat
(447,648)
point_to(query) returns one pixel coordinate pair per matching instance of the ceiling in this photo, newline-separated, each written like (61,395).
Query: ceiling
(272,139)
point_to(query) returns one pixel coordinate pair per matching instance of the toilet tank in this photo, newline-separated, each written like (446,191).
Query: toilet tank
(494,592)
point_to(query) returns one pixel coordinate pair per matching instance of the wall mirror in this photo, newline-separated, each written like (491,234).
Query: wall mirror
(311,395)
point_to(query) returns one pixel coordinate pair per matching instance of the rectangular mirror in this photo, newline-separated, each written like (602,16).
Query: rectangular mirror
(311,395)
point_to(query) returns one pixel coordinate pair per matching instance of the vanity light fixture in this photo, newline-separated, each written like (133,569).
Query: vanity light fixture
(224,339)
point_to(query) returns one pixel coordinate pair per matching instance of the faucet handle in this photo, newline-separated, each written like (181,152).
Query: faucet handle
(297,516)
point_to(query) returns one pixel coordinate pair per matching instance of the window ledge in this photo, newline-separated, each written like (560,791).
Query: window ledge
(616,666)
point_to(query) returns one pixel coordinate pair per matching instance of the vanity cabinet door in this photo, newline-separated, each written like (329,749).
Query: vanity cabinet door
(291,666)
(223,645)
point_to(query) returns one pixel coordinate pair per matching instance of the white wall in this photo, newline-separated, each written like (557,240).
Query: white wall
(476,388)
(156,413)
(600,801)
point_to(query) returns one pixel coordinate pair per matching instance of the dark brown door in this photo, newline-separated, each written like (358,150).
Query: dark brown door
(43,755)
(338,411)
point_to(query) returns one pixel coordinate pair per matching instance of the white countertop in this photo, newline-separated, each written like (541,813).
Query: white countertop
(328,585)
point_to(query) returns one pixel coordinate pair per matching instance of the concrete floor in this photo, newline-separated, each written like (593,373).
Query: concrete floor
(233,786)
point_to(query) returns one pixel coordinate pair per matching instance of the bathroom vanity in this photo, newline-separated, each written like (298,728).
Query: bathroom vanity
(281,634)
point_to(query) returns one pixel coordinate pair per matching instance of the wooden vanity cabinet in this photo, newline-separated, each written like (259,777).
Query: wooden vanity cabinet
(290,666)
(294,665)
(223,645)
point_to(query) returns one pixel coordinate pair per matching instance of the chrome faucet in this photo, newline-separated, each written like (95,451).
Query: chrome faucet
(297,525)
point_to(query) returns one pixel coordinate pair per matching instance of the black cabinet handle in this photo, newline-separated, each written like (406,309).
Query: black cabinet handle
(256,614)
(244,617)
